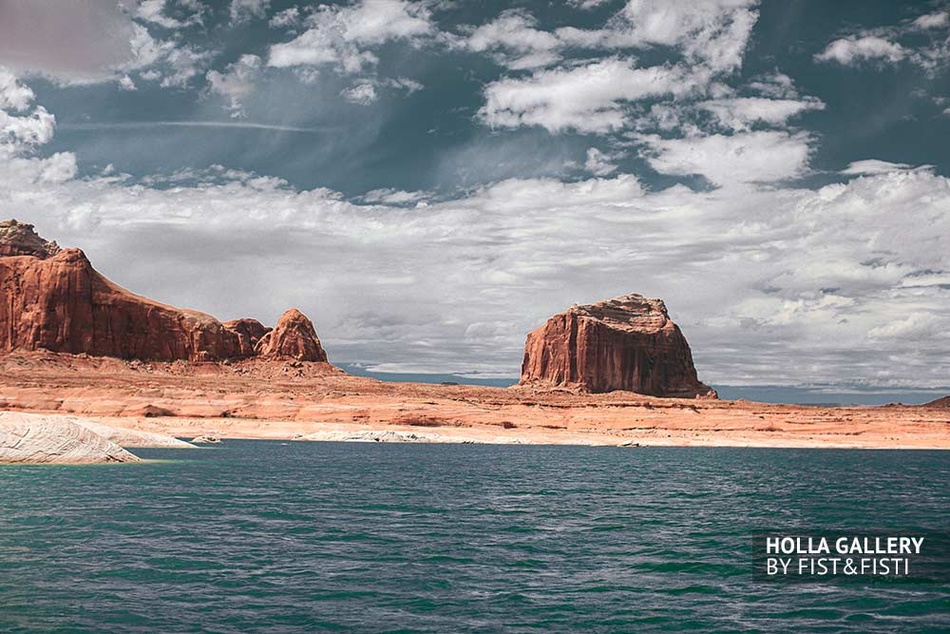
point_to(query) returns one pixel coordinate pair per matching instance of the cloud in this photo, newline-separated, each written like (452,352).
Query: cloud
(853,50)
(599,163)
(817,278)
(154,11)
(828,279)
(922,41)
(14,94)
(713,32)
(157,12)
(774,85)
(706,41)
(588,98)
(935,20)
(916,326)
(587,4)
(165,61)
(286,18)
(390,196)
(362,94)
(236,83)
(873,166)
(514,41)
(22,126)
(749,157)
(341,37)
(741,113)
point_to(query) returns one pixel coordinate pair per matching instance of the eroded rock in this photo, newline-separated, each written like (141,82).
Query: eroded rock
(294,338)
(39,439)
(53,299)
(624,343)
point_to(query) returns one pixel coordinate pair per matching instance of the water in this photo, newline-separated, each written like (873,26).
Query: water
(282,537)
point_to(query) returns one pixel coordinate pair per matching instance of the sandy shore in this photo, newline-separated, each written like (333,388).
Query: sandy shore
(315,401)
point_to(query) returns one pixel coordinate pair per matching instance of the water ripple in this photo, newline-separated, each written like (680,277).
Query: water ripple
(266,536)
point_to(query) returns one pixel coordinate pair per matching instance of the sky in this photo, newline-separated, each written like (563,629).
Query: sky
(430,180)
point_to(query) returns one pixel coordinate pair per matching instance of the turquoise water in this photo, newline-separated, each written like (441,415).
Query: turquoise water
(284,537)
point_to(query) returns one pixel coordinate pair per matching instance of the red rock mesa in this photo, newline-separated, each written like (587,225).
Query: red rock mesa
(625,343)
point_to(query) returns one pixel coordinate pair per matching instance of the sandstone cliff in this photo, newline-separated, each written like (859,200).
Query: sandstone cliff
(625,343)
(293,337)
(53,299)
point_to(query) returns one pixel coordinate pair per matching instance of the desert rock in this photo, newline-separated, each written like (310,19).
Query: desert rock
(625,343)
(37,439)
(126,437)
(943,401)
(249,332)
(18,238)
(293,337)
(53,299)
(205,440)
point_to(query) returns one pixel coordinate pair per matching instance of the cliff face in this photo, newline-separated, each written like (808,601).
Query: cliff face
(53,299)
(625,343)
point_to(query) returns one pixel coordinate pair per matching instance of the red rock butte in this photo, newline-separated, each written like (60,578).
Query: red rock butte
(624,343)
(53,299)
(293,337)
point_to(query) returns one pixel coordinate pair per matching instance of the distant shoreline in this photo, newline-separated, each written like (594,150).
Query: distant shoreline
(454,436)
(260,399)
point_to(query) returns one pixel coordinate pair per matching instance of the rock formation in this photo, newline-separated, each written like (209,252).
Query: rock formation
(53,299)
(293,337)
(35,439)
(17,238)
(126,437)
(943,401)
(625,343)
(249,332)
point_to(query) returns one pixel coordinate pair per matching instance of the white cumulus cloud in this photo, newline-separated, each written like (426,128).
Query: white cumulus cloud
(515,41)
(710,32)
(853,50)
(589,98)
(343,37)
(750,157)
(742,112)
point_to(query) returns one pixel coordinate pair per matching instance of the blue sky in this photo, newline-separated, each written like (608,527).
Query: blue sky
(430,180)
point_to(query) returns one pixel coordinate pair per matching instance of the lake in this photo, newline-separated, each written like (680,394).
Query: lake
(284,537)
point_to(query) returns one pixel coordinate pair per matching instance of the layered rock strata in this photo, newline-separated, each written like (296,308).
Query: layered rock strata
(624,343)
